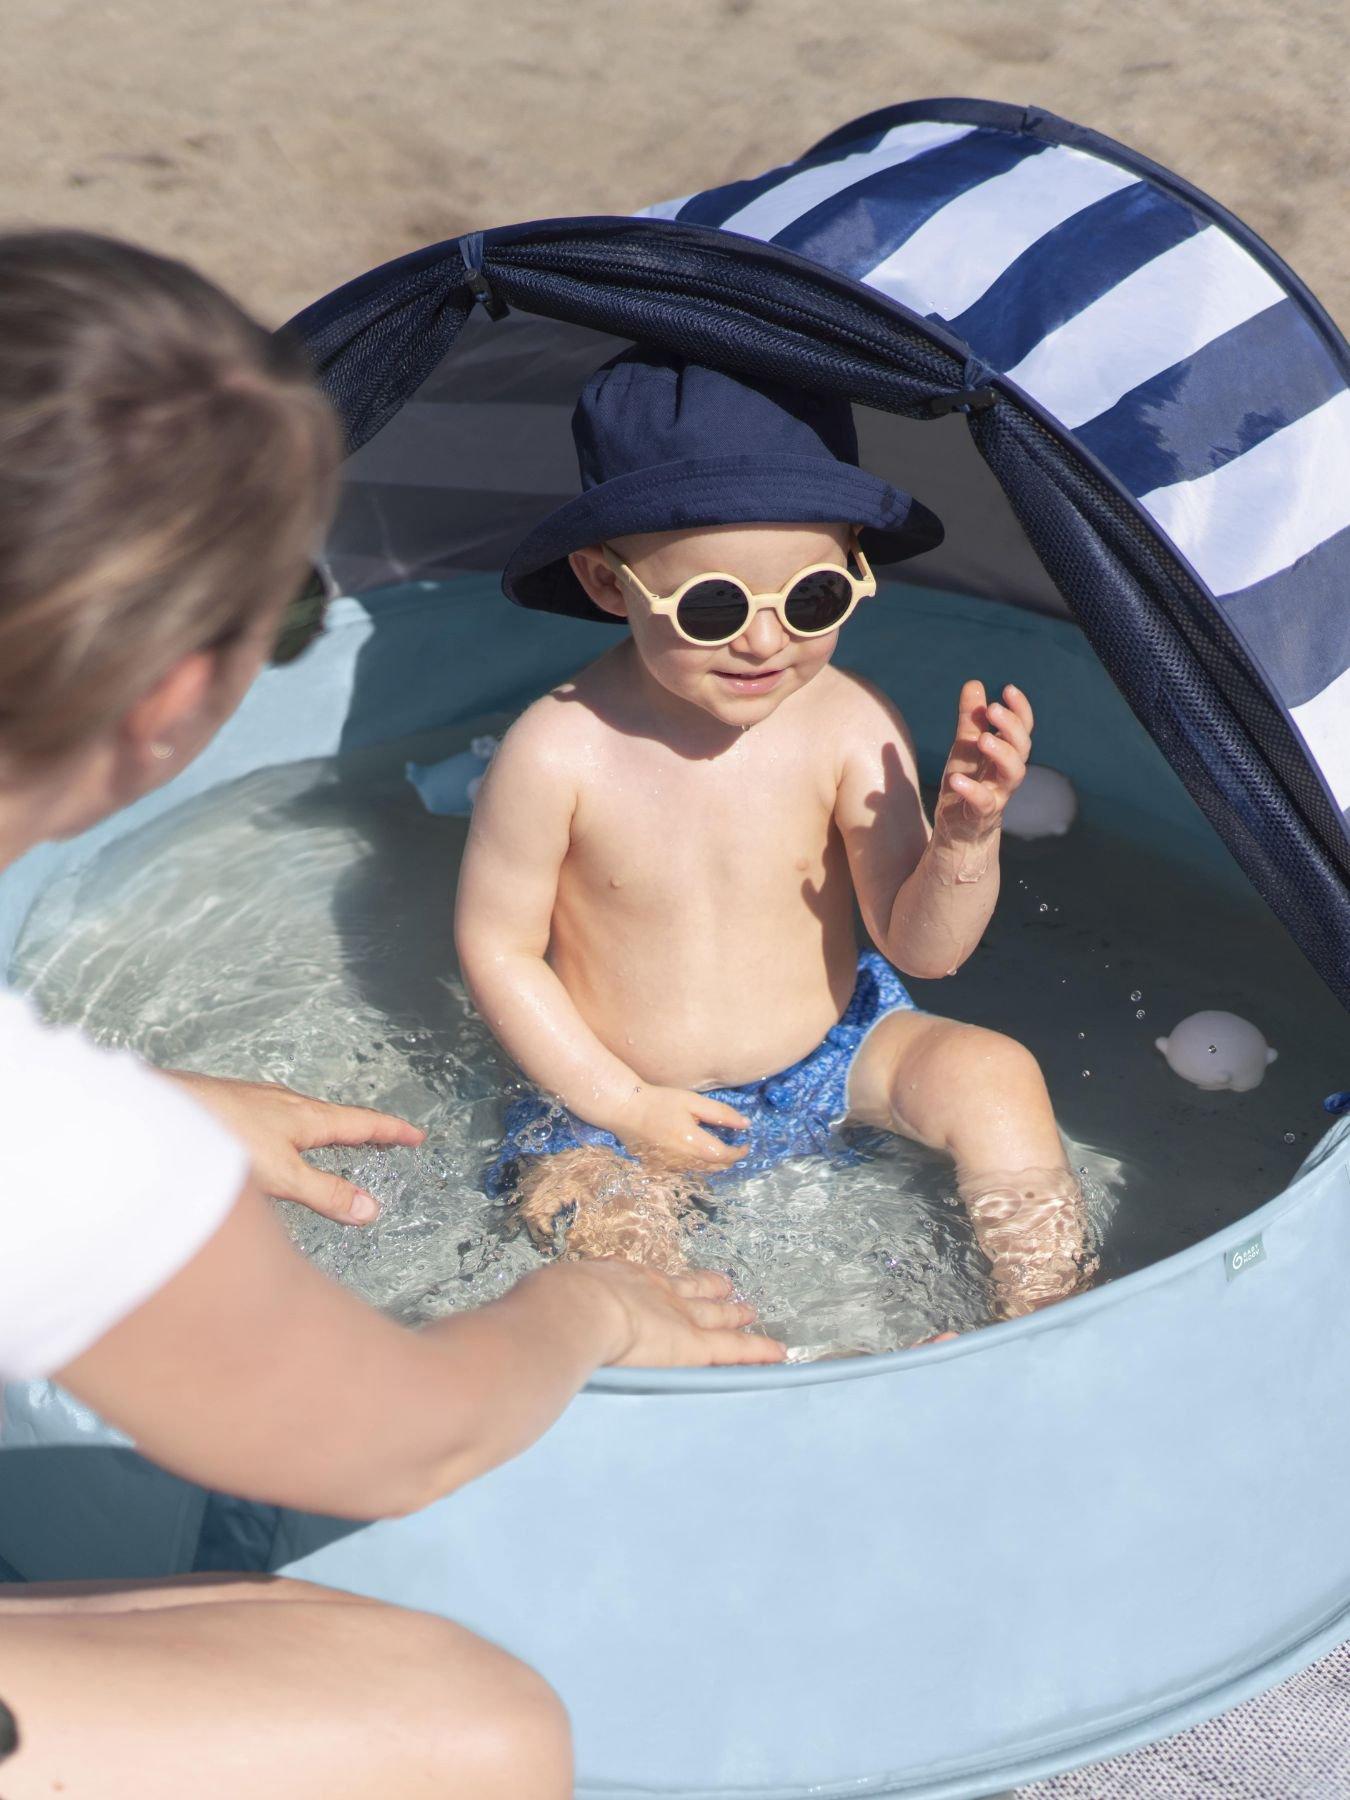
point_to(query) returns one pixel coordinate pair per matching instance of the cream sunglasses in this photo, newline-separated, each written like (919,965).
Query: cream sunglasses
(714,609)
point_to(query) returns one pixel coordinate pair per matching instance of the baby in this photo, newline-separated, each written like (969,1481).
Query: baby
(656,913)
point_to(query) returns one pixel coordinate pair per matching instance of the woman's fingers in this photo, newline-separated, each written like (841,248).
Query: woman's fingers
(325,1193)
(326,1123)
(721,1315)
(702,1284)
(727,1348)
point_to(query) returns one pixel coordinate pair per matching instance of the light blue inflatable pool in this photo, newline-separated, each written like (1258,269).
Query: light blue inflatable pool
(931,1573)
(944,1571)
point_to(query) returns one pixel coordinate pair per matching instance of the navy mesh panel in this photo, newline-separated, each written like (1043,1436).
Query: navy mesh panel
(1156,640)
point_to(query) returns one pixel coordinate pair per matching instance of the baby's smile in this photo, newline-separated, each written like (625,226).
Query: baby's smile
(750,681)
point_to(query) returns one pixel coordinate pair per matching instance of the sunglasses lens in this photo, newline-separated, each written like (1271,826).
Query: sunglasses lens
(713,611)
(302,621)
(818,601)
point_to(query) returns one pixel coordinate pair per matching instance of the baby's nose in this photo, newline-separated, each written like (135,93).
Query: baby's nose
(763,636)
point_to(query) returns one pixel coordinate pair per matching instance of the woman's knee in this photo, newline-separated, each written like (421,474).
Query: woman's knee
(495,1728)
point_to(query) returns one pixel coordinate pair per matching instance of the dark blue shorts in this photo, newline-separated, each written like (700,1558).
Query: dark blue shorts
(794,1113)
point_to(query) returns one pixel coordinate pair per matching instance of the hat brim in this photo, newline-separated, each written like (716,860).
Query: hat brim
(727,490)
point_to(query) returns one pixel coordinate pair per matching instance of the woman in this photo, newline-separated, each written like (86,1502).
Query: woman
(165,471)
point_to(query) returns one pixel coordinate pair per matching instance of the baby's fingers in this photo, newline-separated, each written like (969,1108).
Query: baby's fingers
(1014,697)
(716,1112)
(712,1150)
(981,797)
(1011,729)
(1008,765)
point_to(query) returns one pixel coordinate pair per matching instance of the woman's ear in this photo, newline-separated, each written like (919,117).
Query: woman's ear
(602,585)
(167,721)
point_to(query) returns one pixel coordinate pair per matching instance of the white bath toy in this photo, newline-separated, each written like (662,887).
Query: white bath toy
(1044,806)
(449,788)
(1218,1050)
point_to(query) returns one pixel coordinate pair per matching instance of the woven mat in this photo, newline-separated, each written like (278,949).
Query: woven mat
(1290,1744)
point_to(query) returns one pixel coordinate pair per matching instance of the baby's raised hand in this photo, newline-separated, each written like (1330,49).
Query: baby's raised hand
(673,1122)
(987,763)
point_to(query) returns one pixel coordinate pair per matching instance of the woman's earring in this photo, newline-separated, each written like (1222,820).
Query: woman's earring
(162,751)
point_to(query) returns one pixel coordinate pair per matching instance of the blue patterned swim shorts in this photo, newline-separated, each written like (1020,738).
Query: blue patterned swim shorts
(791,1114)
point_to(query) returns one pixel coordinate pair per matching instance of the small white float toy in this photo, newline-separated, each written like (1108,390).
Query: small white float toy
(1218,1050)
(450,788)
(1044,806)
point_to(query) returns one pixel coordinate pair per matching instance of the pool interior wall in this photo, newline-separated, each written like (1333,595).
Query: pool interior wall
(933,1573)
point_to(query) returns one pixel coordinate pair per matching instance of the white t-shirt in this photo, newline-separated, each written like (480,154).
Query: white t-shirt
(111,1180)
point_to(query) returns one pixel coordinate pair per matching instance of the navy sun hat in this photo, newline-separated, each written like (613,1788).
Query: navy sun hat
(665,444)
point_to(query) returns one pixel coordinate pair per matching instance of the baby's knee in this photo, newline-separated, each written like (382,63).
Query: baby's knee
(955,1057)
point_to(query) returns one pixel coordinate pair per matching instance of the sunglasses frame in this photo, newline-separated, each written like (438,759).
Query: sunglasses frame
(305,617)
(666,606)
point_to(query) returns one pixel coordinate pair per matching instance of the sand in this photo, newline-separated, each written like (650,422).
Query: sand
(286,146)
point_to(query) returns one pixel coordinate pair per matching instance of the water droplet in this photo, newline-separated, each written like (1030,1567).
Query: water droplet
(1214,1049)
(1086,1074)
(1136,995)
(1043,907)
(1081,1036)
(1139,1012)
(1288,1137)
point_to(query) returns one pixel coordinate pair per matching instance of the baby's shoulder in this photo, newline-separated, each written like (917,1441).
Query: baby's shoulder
(857,708)
(559,731)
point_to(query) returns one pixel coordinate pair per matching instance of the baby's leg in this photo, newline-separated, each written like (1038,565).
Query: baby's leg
(633,1210)
(981,1097)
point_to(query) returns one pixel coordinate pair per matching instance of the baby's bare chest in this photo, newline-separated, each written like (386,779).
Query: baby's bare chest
(652,829)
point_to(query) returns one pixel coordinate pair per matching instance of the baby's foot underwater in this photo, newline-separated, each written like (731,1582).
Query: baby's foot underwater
(592,1202)
(1033,1226)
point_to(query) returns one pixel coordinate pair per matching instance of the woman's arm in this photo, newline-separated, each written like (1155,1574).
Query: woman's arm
(252,1372)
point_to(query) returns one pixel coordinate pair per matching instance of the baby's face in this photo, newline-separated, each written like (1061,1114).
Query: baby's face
(742,682)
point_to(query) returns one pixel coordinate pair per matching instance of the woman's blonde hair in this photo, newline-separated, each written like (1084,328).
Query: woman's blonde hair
(166,468)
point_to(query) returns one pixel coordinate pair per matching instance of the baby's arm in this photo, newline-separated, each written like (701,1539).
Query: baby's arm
(927,897)
(508,887)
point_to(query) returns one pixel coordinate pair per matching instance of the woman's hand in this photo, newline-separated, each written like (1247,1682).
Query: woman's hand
(275,1124)
(987,763)
(671,1121)
(672,1321)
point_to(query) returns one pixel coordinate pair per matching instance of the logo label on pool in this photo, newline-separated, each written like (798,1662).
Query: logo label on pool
(1243,1257)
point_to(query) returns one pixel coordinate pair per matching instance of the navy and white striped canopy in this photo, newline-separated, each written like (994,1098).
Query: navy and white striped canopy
(1185,359)
(1156,431)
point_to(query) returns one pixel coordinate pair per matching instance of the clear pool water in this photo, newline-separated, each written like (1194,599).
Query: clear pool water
(296,926)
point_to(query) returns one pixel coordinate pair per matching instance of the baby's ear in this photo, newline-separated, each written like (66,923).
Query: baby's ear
(599,580)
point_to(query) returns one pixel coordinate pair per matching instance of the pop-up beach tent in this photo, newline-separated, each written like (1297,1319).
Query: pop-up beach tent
(937,1572)
(1162,401)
